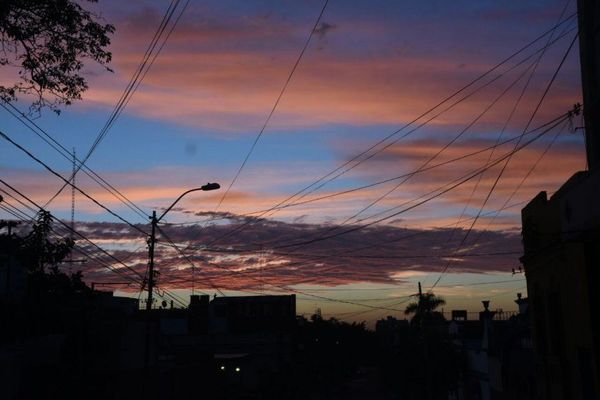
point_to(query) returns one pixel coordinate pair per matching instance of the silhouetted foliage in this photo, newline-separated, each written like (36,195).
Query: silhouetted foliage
(47,40)
(37,251)
(423,309)
(41,256)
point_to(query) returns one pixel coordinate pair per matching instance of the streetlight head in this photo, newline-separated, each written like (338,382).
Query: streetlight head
(210,186)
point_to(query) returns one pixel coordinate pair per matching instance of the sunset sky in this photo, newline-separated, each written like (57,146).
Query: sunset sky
(370,68)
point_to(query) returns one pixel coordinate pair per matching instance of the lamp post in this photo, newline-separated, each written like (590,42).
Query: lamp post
(152,239)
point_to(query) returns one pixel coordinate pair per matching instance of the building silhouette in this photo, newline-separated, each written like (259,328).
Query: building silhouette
(562,265)
(561,239)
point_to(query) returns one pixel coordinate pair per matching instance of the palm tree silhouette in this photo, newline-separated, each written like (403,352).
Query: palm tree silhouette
(424,309)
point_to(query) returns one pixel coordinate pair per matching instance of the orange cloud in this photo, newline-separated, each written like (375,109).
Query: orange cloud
(226,76)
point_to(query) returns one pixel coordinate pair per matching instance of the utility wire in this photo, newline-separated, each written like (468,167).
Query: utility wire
(363,187)
(465,97)
(68,227)
(53,172)
(270,115)
(28,218)
(85,252)
(552,124)
(518,187)
(132,86)
(438,191)
(347,301)
(189,261)
(407,236)
(46,137)
(288,289)
(508,120)
(435,116)
(533,114)
(437,154)
(556,121)
(451,187)
(451,285)
(357,159)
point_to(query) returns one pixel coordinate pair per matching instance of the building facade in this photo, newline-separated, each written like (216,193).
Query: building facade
(561,238)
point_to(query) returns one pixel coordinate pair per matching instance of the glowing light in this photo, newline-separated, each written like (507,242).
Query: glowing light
(222,368)
(237,369)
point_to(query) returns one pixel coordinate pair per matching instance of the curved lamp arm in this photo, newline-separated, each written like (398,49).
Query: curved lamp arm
(207,187)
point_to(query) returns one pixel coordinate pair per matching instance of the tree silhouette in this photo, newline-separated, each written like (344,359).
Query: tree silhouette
(424,309)
(47,41)
(41,257)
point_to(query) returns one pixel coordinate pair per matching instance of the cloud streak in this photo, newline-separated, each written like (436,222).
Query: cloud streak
(250,259)
(229,69)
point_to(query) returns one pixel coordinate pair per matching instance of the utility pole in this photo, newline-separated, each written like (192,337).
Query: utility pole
(152,239)
(420,295)
(589,55)
(151,242)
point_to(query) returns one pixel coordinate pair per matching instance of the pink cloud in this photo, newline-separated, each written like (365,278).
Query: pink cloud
(385,255)
(225,76)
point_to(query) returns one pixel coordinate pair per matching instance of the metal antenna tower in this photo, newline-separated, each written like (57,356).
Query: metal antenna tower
(73,202)
(73,193)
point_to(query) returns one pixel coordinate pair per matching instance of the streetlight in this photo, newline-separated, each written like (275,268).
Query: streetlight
(152,241)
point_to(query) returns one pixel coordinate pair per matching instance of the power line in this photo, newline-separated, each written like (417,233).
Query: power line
(533,114)
(525,177)
(83,251)
(551,125)
(557,121)
(67,182)
(348,301)
(444,188)
(189,261)
(270,115)
(508,119)
(363,187)
(451,187)
(358,156)
(438,153)
(288,289)
(57,146)
(28,218)
(68,227)
(428,120)
(319,297)
(436,192)
(423,124)
(134,82)
(376,289)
